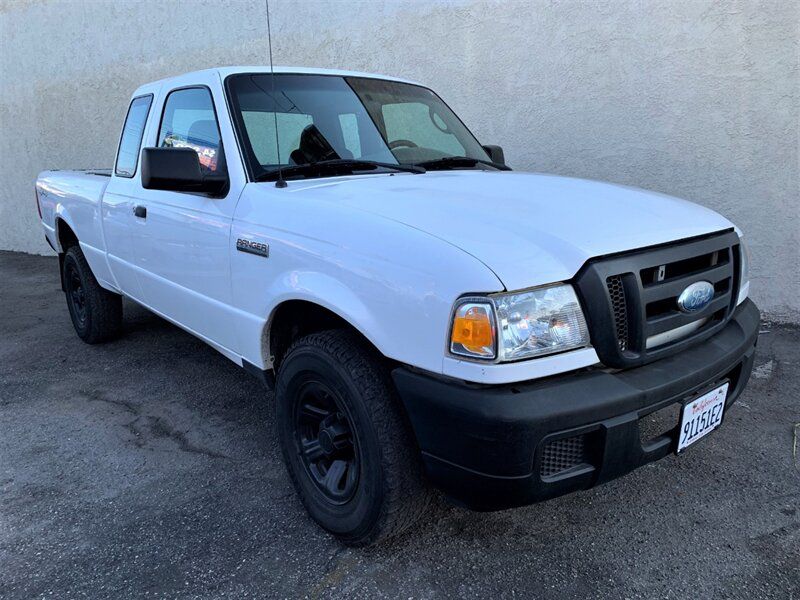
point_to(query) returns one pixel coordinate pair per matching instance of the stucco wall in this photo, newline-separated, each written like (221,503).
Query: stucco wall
(693,98)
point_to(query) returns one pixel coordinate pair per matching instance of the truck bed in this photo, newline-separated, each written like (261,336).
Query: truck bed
(74,198)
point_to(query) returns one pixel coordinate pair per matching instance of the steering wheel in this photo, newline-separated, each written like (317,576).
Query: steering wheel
(400,143)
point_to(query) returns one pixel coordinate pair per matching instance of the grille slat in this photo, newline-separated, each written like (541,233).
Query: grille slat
(675,319)
(673,287)
(685,267)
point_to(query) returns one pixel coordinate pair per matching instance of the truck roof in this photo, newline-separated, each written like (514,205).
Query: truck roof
(232,70)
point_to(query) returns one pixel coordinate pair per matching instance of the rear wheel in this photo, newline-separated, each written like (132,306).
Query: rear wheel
(96,313)
(346,445)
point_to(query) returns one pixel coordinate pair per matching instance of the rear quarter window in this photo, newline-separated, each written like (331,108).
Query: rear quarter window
(130,141)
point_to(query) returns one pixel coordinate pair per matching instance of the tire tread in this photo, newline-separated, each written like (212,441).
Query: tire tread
(105,319)
(406,496)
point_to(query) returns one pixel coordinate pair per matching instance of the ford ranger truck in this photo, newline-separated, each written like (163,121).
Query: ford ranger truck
(427,317)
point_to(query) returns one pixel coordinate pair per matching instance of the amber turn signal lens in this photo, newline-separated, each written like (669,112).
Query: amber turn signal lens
(473,333)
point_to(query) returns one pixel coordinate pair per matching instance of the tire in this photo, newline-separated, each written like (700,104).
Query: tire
(332,386)
(96,313)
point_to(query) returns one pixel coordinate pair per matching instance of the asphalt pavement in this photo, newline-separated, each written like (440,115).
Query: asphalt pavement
(148,467)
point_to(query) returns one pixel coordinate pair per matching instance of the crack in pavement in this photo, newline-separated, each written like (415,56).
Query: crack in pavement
(158,427)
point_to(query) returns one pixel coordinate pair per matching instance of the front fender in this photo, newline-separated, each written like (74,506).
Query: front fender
(380,314)
(393,283)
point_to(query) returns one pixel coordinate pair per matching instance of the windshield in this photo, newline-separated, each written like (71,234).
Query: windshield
(330,118)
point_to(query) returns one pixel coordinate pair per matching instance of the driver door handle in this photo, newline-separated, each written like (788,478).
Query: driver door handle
(140,212)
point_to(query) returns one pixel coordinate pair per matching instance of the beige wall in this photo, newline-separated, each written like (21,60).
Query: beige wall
(699,99)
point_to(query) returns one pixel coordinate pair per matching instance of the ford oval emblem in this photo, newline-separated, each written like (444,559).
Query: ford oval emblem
(696,297)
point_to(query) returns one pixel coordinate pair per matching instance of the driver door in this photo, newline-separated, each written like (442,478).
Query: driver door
(183,238)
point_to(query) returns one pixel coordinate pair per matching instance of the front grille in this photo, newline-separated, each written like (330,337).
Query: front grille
(616,292)
(564,454)
(631,298)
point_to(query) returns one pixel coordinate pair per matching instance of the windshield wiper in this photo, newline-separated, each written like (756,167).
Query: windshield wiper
(335,166)
(453,162)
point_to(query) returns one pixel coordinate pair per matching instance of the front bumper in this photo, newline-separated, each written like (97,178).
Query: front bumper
(496,447)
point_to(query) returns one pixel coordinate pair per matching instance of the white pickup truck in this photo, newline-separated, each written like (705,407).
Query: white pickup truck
(427,316)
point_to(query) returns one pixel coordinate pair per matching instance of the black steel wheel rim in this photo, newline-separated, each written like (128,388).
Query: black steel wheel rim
(76,294)
(326,442)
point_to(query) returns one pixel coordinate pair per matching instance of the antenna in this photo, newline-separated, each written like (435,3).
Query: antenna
(281,183)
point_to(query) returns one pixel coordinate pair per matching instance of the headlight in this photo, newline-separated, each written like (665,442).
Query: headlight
(541,321)
(527,324)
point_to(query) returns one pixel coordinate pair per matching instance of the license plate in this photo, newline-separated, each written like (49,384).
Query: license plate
(701,416)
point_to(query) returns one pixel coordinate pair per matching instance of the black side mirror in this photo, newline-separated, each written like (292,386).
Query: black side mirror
(178,170)
(495,153)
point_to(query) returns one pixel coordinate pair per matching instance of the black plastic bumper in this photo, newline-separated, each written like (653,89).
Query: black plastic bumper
(484,446)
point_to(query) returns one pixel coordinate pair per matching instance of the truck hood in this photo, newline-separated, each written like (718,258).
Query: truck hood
(528,228)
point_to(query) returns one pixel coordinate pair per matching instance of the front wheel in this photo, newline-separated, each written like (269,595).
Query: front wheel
(96,313)
(345,440)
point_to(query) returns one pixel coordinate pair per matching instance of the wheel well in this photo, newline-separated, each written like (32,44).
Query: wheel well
(293,319)
(66,237)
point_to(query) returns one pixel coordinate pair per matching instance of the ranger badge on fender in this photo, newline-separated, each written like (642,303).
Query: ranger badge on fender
(251,247)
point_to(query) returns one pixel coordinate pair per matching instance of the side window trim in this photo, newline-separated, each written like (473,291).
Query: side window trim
(141,137)
(222,160)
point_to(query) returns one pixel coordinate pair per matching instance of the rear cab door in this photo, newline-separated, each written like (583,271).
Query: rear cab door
(123,191)
(182,238)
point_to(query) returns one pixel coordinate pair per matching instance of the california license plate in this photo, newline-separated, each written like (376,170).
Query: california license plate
(701,416)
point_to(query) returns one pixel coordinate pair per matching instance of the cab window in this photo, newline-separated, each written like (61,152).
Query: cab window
(189,121)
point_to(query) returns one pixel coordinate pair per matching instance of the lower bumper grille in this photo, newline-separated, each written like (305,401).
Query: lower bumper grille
(562,455)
